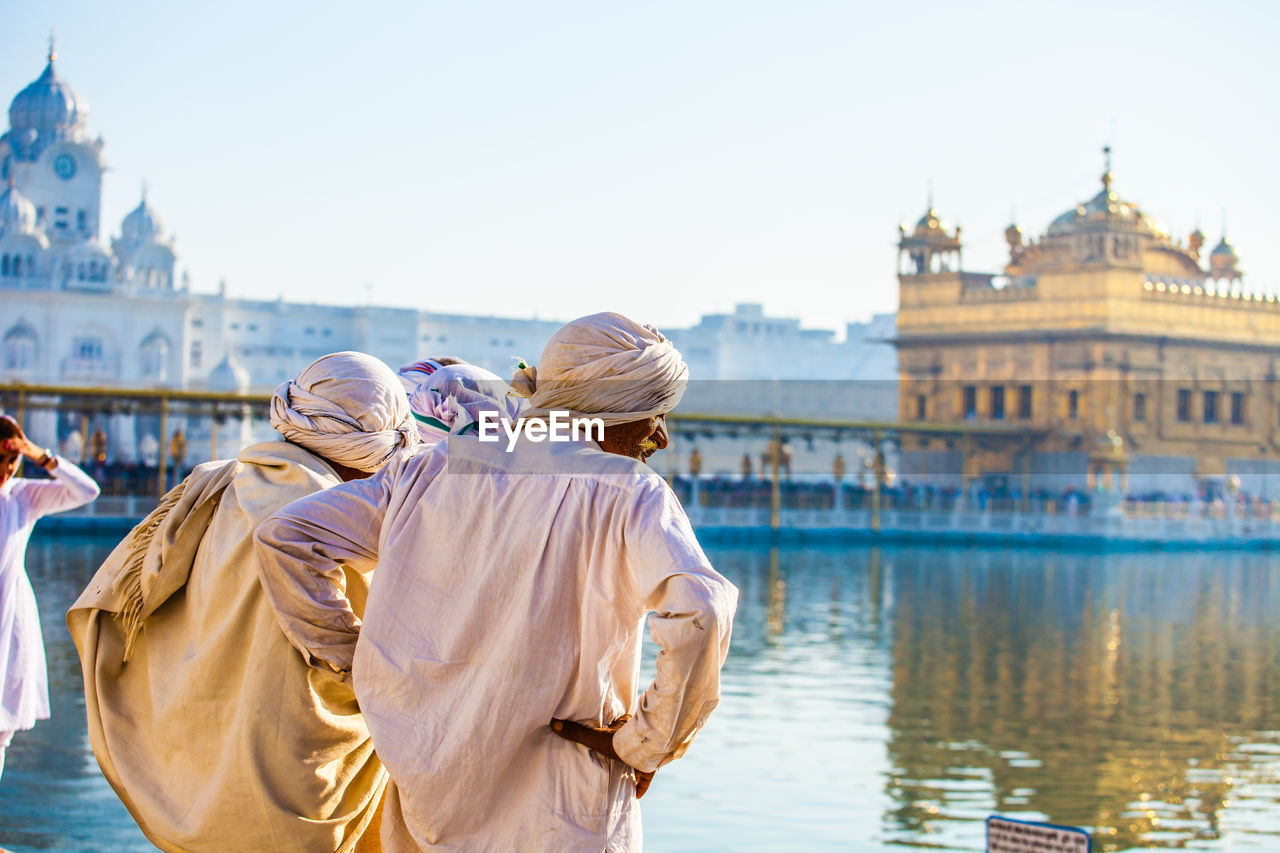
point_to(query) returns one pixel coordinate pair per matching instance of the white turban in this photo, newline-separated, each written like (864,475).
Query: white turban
(347,407)
(604,366)
(453,397)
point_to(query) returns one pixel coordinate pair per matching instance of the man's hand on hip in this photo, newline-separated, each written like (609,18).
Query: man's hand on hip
(601,740)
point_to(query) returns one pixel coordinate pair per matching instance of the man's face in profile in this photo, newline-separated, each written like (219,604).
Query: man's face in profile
(637,439)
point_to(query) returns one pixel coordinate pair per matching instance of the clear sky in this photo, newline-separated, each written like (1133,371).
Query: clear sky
(665,159)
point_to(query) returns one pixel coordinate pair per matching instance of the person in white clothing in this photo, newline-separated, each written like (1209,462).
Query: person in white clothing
(24,690)
(210,727)
(498,657)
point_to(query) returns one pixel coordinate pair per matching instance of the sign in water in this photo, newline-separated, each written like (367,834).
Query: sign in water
(1005,835)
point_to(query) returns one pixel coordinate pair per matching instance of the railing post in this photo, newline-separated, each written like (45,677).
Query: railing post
(1026,477)
(775,496)
(164,448)
(877,471)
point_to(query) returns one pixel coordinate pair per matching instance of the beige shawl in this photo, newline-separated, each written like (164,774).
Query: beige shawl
(212,729)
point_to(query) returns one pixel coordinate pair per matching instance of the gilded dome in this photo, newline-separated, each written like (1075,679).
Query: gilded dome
(930,223)
(1106,210)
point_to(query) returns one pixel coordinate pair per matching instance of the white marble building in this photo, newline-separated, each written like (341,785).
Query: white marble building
(81,310)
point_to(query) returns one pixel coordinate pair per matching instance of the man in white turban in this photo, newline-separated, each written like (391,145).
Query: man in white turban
(499,650)
(215,733)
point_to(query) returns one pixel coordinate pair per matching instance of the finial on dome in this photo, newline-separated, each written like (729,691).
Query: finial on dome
(1106,176)
(53,54)
(144,192)
(931,193)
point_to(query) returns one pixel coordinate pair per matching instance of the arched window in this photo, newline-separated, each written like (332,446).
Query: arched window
(155,357)
(17,266)
(87,348)
(20,348)
(4,265)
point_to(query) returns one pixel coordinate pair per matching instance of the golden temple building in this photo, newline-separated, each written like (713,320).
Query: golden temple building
(1120,357)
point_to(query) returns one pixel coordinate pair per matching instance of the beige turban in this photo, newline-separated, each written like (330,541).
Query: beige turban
(604,366)
(347,407)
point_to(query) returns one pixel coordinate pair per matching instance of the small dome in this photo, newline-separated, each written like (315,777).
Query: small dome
(930,223)
(17,213)
(141,225)
(90,250)
(1224,262)
(229,376)
(46,111)
(1224,250)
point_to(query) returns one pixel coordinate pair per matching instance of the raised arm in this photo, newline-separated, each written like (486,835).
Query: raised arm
(70,488)
(692,617)
(301,550)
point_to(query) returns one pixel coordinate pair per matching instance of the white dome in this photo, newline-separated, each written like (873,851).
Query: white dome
(17,213)
(229,376)
(46,111)
(142,225)
(90,250)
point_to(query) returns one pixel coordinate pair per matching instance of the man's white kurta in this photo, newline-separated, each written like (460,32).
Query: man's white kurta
(511,590)
(24,691)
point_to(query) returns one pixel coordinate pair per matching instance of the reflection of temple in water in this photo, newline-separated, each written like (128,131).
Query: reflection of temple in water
(1113,693)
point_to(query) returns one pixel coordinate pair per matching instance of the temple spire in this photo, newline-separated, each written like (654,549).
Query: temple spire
(53,54)
(1106,175)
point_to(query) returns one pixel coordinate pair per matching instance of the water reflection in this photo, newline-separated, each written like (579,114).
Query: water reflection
(879,698)
(52,795)
(1133,695)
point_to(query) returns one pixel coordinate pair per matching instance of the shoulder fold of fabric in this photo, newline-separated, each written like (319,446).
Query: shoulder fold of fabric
(155,559)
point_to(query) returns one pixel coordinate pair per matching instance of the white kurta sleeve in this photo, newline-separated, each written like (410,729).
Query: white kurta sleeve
(692,616)
(301,550)
(69,488)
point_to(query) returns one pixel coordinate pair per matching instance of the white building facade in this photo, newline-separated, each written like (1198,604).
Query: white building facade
(84,310)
